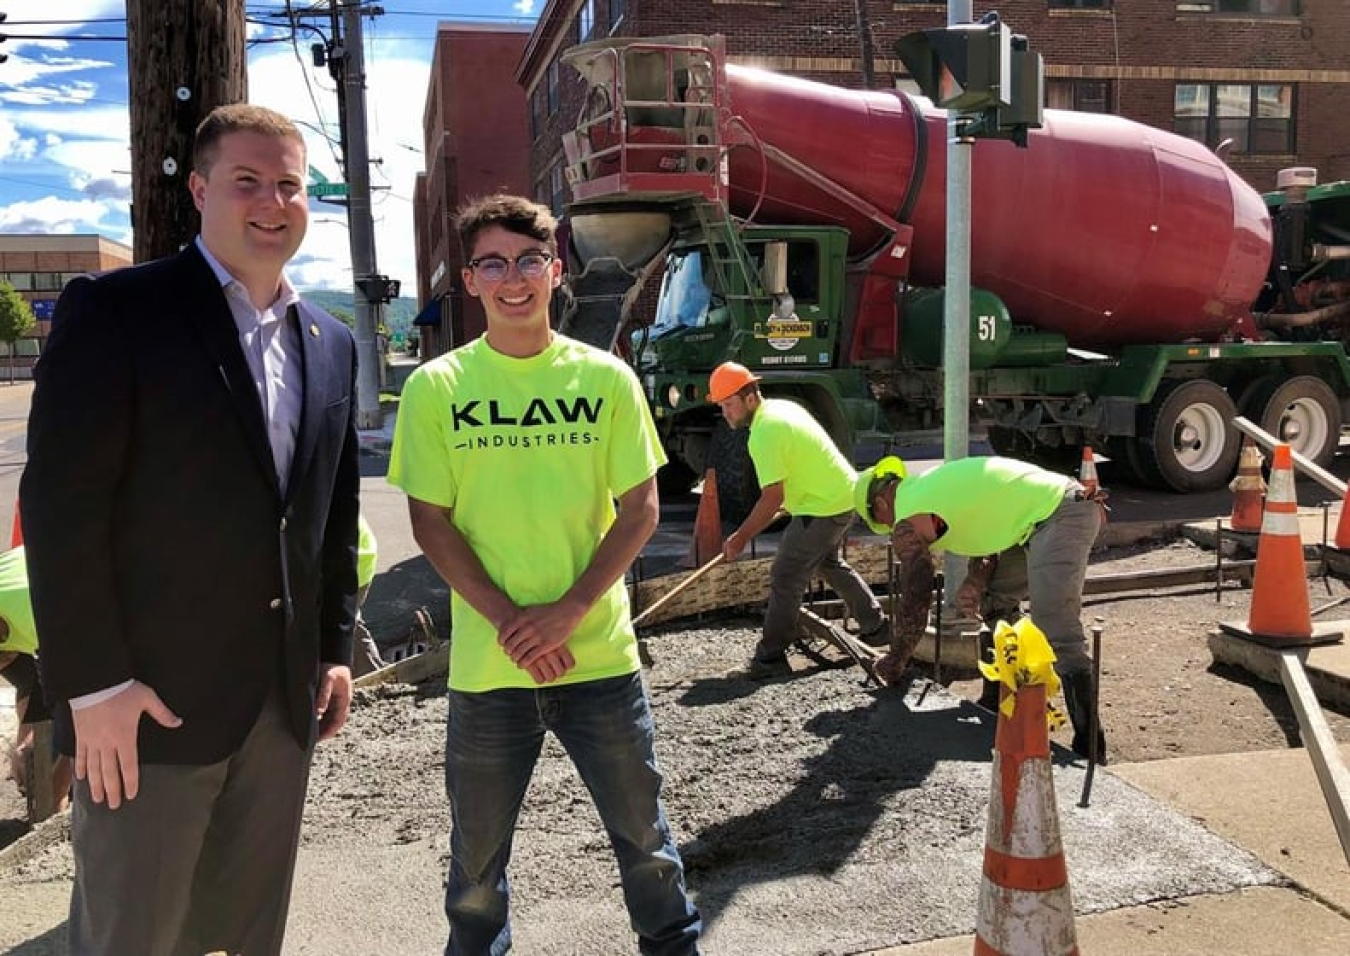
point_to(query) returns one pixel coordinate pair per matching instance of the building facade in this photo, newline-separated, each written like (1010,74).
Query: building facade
(476,143)
(38,266)
(1264,80)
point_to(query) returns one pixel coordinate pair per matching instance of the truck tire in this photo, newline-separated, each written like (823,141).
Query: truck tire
(1302,411)
(737,485)
(1186,440)
(675,478)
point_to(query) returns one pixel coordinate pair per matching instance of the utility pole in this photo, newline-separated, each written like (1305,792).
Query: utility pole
(866,55)
(371,290)
(184,58)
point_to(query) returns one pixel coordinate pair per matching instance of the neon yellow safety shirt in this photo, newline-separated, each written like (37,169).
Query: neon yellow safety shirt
(16,607)
(787,444)
(989,504)
(366,552)
(529,455)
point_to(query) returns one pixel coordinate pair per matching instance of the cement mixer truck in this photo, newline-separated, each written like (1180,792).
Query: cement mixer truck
(1129,291)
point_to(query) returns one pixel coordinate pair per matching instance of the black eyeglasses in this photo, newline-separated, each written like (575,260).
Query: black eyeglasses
(531,265)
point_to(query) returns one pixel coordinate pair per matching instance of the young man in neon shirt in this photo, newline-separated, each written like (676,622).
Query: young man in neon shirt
(513,450)
(801,471)
(1029,533)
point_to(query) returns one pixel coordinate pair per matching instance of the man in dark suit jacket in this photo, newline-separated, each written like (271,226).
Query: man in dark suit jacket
(190,507)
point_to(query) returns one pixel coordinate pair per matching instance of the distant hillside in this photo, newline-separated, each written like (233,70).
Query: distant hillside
(398,315)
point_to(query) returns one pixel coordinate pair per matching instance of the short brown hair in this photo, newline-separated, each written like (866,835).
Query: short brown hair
(512,213)
(237,118)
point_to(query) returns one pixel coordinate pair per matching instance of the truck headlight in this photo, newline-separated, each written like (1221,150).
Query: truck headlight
(673,396)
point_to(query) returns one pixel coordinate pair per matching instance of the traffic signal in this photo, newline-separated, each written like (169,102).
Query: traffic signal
(965,68)
(379,288)
(982,71)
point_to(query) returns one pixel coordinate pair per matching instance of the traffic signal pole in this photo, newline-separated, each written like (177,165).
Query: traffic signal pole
(368,291)
(956,300)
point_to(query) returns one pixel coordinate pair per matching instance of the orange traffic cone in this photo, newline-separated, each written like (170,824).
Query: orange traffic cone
(1087,472)
(1280,586)
(1343,525)
(707,542)
(1248,489)
(1025,905)
(16,532)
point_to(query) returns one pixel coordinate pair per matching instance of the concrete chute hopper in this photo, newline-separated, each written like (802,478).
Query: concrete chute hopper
(616,251)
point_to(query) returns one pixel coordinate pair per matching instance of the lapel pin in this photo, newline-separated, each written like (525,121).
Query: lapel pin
(314,330)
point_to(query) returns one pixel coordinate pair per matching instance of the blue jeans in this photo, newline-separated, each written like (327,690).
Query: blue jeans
(493,741)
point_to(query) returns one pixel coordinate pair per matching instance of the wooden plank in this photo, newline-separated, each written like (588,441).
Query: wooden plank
(1320,744)
(746,581)
(410,670)
(42,800)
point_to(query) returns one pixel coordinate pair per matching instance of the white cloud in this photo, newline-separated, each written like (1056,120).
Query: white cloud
(524,8)
(52,215)
(14,145)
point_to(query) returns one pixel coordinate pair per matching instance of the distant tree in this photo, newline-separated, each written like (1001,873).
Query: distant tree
(343,316)
(16,320)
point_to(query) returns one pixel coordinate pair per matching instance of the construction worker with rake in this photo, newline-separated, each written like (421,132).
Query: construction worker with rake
(801,471)
(1028,533)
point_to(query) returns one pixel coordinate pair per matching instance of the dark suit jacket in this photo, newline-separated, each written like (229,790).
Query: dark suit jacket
(159,544)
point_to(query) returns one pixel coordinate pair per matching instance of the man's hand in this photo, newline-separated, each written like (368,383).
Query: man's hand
(333,702)
(105,742)
(734,545)
(535,632)
(552,666)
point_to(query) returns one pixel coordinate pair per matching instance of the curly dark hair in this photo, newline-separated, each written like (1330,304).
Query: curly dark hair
(516,214)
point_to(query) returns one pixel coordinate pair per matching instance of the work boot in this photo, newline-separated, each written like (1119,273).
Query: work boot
(879,636)
(1079,695)
(764,668)
(989,689)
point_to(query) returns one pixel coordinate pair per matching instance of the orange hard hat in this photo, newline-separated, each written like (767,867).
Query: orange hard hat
(728,379)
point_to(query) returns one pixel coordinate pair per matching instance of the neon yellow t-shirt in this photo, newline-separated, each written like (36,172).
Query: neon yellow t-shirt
(787,444)
(16,607)
(988,503)
(529,455)
(366,551)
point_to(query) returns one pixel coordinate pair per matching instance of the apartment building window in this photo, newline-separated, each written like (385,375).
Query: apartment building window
(586,20)
(537,112)
(1080,4)
(557,188)
(1254,8)
(1258,118)
(1085,96)
(553,88)
(616,11)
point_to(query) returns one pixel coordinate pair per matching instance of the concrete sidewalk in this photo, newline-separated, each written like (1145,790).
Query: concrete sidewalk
(1267,803)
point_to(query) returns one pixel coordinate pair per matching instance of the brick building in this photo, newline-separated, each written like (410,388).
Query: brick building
(39,265)
(1271,76)
(477,141)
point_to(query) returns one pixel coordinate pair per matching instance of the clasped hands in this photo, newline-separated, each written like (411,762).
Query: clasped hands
(535,638)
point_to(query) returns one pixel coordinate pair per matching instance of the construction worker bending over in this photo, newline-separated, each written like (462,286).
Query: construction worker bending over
(18,665)
(1029,532)
(801,471)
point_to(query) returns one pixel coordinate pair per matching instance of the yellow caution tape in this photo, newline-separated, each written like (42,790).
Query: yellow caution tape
(1023,657)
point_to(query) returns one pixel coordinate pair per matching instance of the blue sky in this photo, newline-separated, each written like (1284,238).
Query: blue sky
(64,129)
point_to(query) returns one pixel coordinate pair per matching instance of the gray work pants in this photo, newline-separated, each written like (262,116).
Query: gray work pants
(1049,571)
(201,860)
(811,544)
